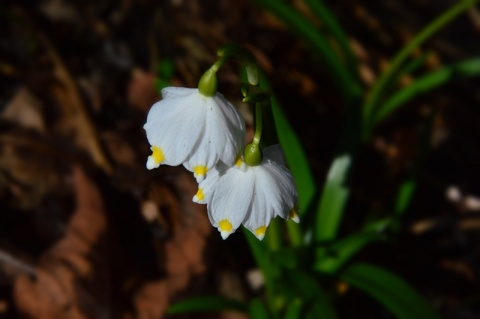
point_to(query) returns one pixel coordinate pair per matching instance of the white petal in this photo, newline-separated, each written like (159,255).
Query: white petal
(282,192)
(260,215)
(174,124)
(173,91)
(274,153)
(226,128)
(231,199)
(204,156)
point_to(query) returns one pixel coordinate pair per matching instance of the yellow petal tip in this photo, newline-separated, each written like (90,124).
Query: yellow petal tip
(199,196)
(293,215)
(157,154)
(199,172)
(225,228)
(260,232)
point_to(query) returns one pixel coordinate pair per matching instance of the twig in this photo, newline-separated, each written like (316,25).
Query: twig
(84,126)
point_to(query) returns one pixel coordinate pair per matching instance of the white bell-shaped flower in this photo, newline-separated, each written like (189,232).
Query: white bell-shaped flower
(189,128)
(249,195)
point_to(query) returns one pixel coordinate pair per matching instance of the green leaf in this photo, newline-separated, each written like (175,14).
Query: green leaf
(333,199)
(371,104)
(328,19)
(317,302)
(207,304)
(330,259)
(300,26)
(404,196)
(294,309)
(257,310)
(427,83)
(390,290)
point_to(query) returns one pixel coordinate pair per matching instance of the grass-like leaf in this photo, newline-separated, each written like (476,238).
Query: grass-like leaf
(371,104)
(306,31)
(427,83)
(333,199)
(257,310)
(330,259)
(317,302)
(390,290)
(322,11)
(207,304)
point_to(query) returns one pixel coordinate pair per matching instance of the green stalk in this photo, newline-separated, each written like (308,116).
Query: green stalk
(273,237)
(294,234)
(378,89)
(258,123)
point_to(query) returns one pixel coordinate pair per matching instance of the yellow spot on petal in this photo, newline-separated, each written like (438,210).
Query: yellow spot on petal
(293,214)
(200,195)
(157,154)
(260,231)
(200,170)
(225,226)
(239,162)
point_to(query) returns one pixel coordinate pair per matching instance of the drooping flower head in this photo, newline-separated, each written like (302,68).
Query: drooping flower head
(187,127)
(249,195)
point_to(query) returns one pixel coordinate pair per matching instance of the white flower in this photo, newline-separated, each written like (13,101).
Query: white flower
(188,128)
(249,195)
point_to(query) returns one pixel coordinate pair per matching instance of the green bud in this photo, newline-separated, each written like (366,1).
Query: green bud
(208,82)
(252,154)
(252,74)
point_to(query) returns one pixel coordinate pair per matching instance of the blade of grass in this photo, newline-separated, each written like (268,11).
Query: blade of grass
(329,260)
(294,309)
(345,82)
(317,301)
(257,310)
(319,8)
(427,83)
(390,290)
(333,200)
(378,89)
(270,271)
(207,304)
(409,68)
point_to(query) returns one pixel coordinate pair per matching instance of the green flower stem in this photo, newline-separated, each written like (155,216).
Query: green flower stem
(236,52)
(252,155)
(258,123)
(294,234)
(425,34)
(273,237)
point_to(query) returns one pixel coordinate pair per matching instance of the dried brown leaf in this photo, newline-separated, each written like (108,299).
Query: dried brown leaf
(72,278)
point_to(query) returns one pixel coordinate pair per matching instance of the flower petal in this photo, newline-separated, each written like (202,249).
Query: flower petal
(231,199)
(174,124)
(205,188)
(226,127)
(282,192)
(274,153)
